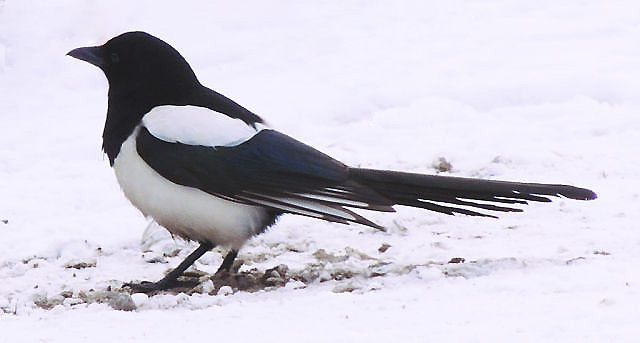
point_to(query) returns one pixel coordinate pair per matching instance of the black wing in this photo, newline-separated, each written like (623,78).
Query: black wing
(276,171)
(271,170)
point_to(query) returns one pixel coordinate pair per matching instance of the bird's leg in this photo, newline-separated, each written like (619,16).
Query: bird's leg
(171,279)
(228,261)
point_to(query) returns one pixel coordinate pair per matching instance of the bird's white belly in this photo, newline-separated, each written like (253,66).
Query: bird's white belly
(185,211)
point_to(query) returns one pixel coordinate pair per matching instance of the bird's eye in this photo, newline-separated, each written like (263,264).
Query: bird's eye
(115,58)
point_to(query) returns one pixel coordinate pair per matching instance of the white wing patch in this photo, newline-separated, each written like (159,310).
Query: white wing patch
(324,210)
(196,125)
(312,206)
(340,201)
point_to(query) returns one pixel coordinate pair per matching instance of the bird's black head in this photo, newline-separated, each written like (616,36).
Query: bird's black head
(143,72)
(141,68)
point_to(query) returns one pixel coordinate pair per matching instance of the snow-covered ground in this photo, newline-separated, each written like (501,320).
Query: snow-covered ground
(539,91)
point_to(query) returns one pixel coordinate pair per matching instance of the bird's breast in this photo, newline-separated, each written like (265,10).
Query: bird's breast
(184,211)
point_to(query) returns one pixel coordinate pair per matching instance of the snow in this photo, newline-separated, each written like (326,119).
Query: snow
(515,90)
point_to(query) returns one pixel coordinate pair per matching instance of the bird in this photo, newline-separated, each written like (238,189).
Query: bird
(209,170)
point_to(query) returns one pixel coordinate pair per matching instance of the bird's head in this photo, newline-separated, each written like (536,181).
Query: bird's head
(139,65)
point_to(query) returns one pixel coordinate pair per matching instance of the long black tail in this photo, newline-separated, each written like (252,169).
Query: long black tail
(452,195)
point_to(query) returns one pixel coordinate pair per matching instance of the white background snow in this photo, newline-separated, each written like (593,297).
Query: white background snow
(539,91)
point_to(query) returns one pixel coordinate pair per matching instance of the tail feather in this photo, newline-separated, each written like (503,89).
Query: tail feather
(452,195)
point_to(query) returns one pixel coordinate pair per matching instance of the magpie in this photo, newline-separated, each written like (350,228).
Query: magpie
(211,171)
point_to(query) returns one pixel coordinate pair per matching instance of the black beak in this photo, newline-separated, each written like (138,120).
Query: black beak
(91,54)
